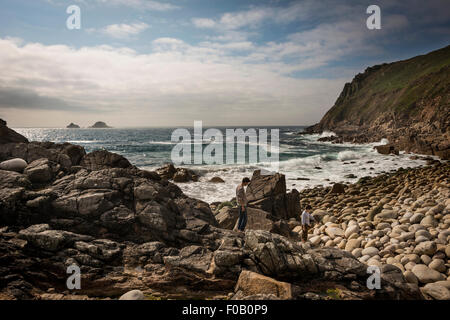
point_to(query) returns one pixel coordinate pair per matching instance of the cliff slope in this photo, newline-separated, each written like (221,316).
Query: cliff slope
(407,102)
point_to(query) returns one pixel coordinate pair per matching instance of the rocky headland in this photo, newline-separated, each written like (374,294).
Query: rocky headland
(407,102)
(100,125)
(135,235)
(73,126)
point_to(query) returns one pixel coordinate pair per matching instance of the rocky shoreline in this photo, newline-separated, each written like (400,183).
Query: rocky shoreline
(129,229)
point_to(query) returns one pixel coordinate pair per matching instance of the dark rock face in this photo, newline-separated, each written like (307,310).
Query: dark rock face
(102,159)
(7,135)
(39,171)
(405,102)
(73,126)
(268,193)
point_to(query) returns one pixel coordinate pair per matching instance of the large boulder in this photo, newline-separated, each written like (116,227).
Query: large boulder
(39,171)
(426,274)
(180,175)
(227,217)
(258,220)
(337,188)
(268,193)
(426,247)
(133,295)
(184,175)
(167,172)
(251,283)
(334,232)
(17,165)
(387,149)
(436,291)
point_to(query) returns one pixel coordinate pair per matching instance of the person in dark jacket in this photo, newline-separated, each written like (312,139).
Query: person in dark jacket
(241,200)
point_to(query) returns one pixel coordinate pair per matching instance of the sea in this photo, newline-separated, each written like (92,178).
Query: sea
(304,160)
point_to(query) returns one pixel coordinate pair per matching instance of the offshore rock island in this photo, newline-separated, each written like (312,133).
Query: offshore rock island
(100,125)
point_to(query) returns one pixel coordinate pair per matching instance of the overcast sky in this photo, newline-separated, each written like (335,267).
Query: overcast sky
(226,62)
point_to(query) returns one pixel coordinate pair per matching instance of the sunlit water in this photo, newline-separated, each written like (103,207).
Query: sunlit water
(300,156)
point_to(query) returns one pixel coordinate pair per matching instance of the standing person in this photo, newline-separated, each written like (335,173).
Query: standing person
(241,200)
(306,222)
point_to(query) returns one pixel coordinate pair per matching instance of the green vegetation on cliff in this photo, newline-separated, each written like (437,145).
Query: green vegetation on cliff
(400,88)
(407,102)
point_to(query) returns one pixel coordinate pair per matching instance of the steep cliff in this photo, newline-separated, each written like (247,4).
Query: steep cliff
(407,102)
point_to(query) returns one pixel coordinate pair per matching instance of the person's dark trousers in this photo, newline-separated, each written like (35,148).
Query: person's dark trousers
(305,228)
(242,218)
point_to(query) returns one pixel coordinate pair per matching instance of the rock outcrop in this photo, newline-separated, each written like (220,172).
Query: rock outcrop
(73,126)
(268,192)
(8,135)
(169,172)
(406,102)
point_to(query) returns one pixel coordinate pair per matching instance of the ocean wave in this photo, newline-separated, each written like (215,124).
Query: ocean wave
(327,134)
(349,155)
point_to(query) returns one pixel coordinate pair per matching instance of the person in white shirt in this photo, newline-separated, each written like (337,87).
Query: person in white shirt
(307,218)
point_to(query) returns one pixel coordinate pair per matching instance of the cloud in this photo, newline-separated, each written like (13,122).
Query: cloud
(124,31)
(149,5)
(175,84)
(19,98)
(204,22)
(141,4)
(329,31)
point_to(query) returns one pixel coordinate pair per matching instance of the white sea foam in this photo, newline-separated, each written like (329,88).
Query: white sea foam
(319,169)
(327,134)
(349,155)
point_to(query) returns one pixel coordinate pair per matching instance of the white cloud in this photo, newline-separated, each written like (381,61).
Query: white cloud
(204,23)
(124,31)
(174,85)
(141,4)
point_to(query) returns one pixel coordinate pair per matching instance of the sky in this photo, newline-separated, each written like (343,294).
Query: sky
(145,63)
